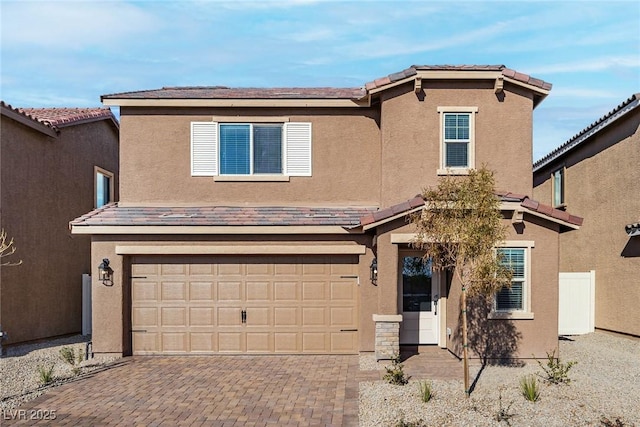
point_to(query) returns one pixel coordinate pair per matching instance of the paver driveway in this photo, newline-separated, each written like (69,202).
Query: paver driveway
(208,391)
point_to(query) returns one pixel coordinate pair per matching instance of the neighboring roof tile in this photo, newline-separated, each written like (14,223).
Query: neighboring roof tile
(29,116)
(114,215)
(60,117)
(621,110)
(413,70)
(525,202)
(223,92)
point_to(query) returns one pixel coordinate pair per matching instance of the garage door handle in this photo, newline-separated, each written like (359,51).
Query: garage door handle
(243,316)
(138,330)
(348,330)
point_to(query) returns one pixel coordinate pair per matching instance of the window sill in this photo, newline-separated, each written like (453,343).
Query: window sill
(515,315)
(251,178)
(449,171)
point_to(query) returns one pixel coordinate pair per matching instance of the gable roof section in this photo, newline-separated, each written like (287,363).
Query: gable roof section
(383,216)
(320,96)
(62,117)
(581,138)
(112,215)
(26,119)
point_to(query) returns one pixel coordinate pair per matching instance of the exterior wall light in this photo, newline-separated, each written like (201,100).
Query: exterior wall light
(374,271)
(105,272)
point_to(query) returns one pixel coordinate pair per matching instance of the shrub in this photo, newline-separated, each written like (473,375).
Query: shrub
(395,373)
(556,372)
(529,388)
(45,374)
(608,423)
(503,413)
(74,359)
(426,391)
(403,423)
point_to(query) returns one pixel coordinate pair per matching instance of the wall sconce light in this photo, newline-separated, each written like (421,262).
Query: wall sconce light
(374,271)
(105,272)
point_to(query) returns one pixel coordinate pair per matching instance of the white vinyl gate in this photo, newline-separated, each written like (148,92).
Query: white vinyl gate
(576,310)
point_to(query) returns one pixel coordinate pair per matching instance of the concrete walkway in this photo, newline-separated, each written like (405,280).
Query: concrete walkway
(205,391)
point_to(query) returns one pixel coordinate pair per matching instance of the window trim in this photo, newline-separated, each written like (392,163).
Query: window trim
(563,193)
(108,174)
(525,313)
(471,152)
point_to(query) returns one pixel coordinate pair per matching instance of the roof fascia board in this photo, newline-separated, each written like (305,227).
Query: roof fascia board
(33,124)
(391,218)
(89,120)
(532,88)
(552,219)
(127,102)
(255,249)
(441,75)
(207,229)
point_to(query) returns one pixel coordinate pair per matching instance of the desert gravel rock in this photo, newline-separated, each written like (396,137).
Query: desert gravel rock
(604,384)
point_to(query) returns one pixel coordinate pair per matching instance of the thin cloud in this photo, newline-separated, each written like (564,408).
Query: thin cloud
(567,92)
(593,64)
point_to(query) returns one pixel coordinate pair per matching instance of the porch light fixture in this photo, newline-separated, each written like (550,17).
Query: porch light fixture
(374,271)
(105,272)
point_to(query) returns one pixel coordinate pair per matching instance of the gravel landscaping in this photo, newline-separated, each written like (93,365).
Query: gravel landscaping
(605,385)
(19,378)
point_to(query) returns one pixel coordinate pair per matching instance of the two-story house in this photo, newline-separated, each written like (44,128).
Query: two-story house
(596,175)
(274,220)
(56,164)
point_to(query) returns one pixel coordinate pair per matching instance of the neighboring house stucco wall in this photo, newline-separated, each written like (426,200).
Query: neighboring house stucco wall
(46,182)
(602,183)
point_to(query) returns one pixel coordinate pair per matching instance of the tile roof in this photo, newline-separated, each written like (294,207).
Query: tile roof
(26,115)
(114,215)
(524,201)
(60,117)
(633,229)
(413,70)
(223,92)
(621,110)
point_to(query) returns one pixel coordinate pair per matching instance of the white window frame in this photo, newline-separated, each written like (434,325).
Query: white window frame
(471,149)
(525,312)
(296,150)
(98,170)
(563,195)
(251,149)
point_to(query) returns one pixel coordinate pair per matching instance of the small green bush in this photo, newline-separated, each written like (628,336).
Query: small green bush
(395,373)
(45,374)
(403,423)
(555,371)
(529,388)
(426,391)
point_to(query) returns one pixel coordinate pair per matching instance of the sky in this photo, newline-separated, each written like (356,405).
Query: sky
(68,53)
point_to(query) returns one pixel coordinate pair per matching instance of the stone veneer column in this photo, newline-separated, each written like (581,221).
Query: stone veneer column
(387,344)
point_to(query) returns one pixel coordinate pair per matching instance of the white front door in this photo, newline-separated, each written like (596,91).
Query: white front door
(419,301)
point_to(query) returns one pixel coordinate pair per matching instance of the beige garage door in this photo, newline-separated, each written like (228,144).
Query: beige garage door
(260,304)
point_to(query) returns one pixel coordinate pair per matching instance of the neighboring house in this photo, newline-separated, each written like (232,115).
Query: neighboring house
(56,163)
(275,220)
(597,175)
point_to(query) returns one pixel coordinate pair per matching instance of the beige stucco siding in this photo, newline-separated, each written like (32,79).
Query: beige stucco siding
(46,182)
(156,167)
(411,135)
(602,181)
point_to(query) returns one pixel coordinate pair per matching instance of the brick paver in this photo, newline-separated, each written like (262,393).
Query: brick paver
(206,391)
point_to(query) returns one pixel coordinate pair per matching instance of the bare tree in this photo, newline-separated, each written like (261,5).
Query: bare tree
(7,249)
(459,230)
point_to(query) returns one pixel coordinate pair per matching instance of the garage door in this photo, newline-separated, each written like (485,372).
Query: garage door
(259,304)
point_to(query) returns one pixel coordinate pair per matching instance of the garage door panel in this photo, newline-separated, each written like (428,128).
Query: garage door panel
(258,291)
(173,291)
(230,342)
(293,304)
(201,291)
(201,316)
(229,291)
(202,342)
(174,342)
(144,317)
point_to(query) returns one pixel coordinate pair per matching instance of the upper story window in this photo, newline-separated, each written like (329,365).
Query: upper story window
(103,187)
(557,179)
(457,139)
(250,149)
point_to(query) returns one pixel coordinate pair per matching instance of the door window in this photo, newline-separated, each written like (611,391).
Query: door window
(416,284)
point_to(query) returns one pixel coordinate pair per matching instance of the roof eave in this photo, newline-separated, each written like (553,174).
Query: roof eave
(49,130)
(238,102)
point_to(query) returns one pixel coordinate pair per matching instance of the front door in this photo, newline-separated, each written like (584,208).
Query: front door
(419,301)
